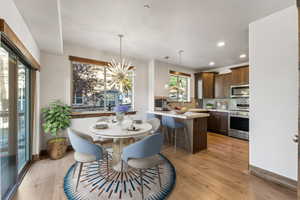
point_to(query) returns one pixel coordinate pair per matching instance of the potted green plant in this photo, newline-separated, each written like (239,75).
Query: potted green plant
(209,106)
(56,119)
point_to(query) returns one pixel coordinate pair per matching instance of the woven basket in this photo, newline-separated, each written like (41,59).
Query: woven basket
(57,148)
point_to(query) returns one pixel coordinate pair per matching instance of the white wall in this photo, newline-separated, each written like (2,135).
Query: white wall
(12,16)
(274,92)
(36,115)
(158,76)
(162,77)
(55,80)
(151,79)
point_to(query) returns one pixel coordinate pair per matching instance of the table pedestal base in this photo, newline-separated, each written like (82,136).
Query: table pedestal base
(118,167)
(118,145)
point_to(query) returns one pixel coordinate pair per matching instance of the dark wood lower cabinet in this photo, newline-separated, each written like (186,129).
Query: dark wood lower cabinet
(212,122)
(199,134)
(218,122)
(197,137)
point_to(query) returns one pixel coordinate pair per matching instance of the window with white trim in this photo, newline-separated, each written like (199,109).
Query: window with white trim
(179,88)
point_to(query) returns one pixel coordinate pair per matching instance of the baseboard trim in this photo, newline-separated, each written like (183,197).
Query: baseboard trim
(272,177)
(35,157)
(44,154)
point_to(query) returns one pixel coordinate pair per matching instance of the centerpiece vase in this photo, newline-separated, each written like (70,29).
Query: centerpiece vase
(120,113)
(120,117)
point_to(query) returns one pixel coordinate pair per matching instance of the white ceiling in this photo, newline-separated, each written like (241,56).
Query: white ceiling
(168,26)
(44,20)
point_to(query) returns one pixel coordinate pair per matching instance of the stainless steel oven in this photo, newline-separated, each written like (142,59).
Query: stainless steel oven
(239,124)
(239,91)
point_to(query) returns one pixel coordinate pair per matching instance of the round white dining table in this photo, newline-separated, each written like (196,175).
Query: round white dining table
(122,137)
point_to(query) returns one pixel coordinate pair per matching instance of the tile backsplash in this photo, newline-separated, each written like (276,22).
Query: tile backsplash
(224,104)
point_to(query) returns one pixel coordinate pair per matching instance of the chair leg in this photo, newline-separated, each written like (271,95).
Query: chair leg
(159,178)
(76,163)
(175,138)
(99,163)
(107,167)
(165,131)
(142,183)
(79,173)
(122,165)
(169,136)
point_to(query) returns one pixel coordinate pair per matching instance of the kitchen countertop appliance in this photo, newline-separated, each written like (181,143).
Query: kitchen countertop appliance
(161,104)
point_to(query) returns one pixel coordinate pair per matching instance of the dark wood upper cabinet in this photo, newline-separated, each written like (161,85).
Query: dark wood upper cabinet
(219,89)
(208,80)
(218,85)
(227,84)
(222,86)
(240,75)
(246,75)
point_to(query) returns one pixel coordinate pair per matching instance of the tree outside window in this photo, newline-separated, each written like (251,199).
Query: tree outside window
(94,88)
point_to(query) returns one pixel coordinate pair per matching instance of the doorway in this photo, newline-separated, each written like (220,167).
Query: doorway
(15,130)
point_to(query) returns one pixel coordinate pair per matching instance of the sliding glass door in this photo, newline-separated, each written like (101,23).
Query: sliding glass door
(8,161)
(23,115)
(14,119)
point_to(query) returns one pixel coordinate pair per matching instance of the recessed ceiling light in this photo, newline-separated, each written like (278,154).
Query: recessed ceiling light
(221,44)
(212,64)
(243,56)
(147,6)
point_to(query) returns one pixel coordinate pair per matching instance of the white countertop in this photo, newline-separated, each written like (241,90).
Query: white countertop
(218,110)
(187,115)
(207,110)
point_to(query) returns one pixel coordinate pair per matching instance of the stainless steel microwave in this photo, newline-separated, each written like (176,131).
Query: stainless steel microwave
(239,91)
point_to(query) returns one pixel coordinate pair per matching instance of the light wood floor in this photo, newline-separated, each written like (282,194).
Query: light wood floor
(219,173)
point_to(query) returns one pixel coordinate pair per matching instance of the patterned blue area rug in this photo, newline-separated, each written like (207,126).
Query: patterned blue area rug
(94,185)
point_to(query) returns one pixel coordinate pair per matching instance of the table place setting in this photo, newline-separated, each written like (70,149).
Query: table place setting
(127,124)
(101,125)
(120,119)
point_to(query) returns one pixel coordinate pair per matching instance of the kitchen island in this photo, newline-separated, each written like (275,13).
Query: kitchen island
(196,124)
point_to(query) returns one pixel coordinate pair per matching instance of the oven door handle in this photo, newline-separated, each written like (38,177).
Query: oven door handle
(246,117)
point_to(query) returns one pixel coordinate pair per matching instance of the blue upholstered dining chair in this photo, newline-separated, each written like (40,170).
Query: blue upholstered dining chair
(150,116)
(170,122)
(165,128)
(85,151)
(155,123)
(143,155)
